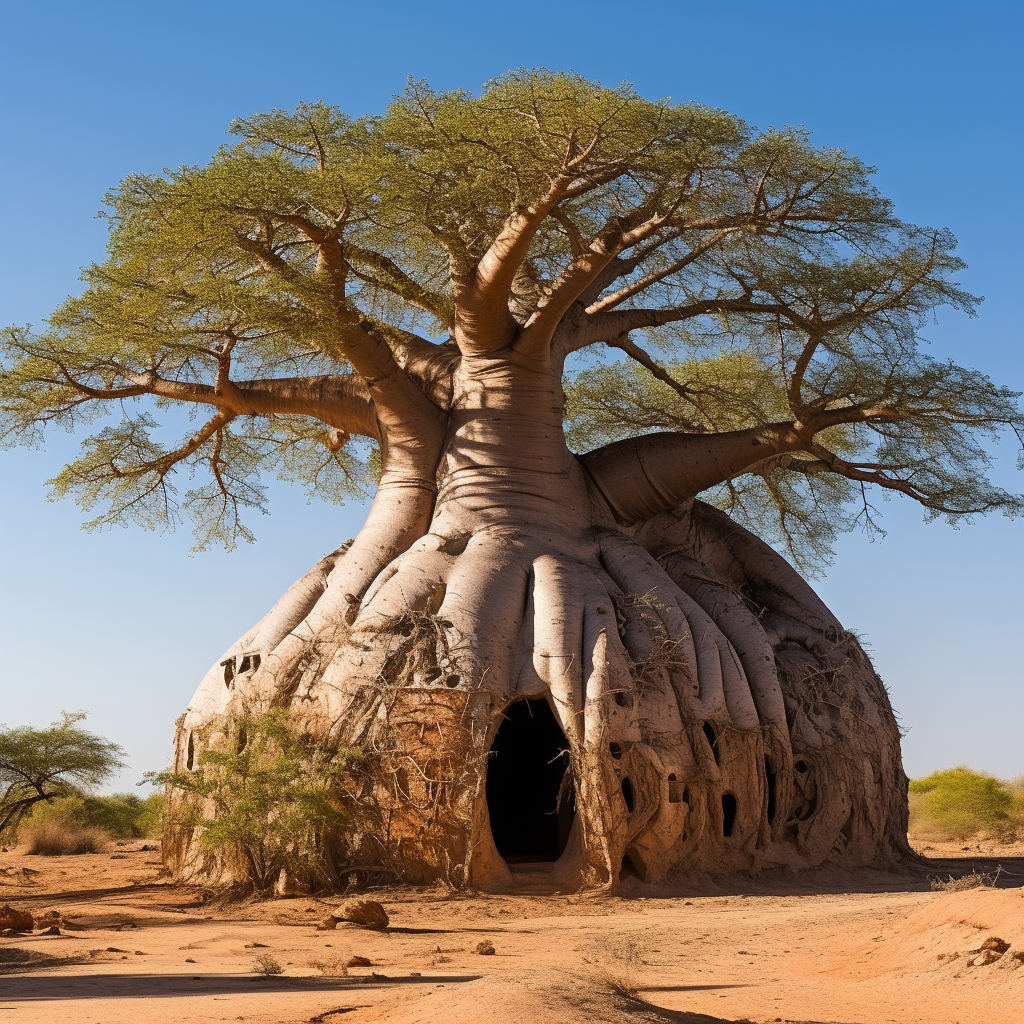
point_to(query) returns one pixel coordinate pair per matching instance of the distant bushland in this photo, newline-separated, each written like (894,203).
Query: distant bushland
(76,823)
(958,803)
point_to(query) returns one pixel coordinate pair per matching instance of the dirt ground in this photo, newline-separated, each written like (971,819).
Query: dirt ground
(872,949)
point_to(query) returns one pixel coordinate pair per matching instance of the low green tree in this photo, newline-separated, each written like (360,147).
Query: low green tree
(279,800)
(37,765)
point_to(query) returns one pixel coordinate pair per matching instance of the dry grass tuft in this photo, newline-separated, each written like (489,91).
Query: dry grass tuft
(622,986)
(56,838)
(266,966)
(975,880)
(336,968)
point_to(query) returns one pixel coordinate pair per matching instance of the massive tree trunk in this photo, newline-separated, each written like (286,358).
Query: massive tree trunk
(718,718)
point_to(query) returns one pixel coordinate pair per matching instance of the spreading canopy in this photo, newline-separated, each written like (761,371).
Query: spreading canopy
(37,764)
(312,288)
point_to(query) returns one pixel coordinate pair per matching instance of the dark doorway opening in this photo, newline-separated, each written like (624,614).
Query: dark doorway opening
(530,795)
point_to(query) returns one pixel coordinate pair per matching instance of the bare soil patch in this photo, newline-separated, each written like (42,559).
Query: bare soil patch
(868,949)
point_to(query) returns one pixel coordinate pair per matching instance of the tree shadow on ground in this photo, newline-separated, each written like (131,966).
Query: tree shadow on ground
(639,1006)
(829,881)
(43,988)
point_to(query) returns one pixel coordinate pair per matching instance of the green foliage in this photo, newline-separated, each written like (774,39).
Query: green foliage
(37,765)
(958,803)
(279,799)
(767,244)
(120,816)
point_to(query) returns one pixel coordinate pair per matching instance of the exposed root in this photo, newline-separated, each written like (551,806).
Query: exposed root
(718,722)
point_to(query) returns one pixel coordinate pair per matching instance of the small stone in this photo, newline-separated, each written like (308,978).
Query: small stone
(359,961)
(189,960)
(485,948)
(52,930)
(256,945)
(48,920)
(996,944)
(328,924)
(365,913)
(989,956)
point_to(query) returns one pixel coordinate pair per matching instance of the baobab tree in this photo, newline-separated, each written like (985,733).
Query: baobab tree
(592,355)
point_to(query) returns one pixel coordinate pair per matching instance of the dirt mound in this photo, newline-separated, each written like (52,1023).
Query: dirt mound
(975,930)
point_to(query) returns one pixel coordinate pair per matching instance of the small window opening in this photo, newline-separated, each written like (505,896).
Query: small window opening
(675,790)
(800,766)
(686,794)
(769,776)
(620,699)
(728,814)
(190,757)
(627,794)
(451,681)
(616,750)
(248,663)
(712,738)
(229,671)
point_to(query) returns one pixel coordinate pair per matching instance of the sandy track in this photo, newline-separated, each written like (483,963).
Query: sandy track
(145,950)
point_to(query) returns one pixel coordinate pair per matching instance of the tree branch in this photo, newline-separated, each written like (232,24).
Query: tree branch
(642,476)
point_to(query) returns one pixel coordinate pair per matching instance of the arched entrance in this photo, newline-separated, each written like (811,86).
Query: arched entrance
(530,794)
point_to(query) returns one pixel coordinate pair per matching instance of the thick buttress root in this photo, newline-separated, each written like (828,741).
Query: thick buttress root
(719,719)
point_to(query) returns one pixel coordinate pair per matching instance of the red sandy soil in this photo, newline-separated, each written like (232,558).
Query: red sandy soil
(871,949)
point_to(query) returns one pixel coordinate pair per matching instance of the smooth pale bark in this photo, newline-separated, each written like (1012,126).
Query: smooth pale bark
(641,477)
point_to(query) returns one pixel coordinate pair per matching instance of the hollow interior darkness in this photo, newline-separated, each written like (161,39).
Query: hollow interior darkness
(530,795)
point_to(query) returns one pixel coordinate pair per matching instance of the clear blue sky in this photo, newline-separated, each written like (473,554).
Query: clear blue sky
(124,624)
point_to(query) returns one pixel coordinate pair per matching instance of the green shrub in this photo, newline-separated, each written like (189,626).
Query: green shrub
(959,802)
(278,799)
(120,816)
(125,815)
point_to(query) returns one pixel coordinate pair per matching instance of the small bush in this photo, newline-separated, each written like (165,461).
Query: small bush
(281,800)
(959,803)
(266,966)
(54,838)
